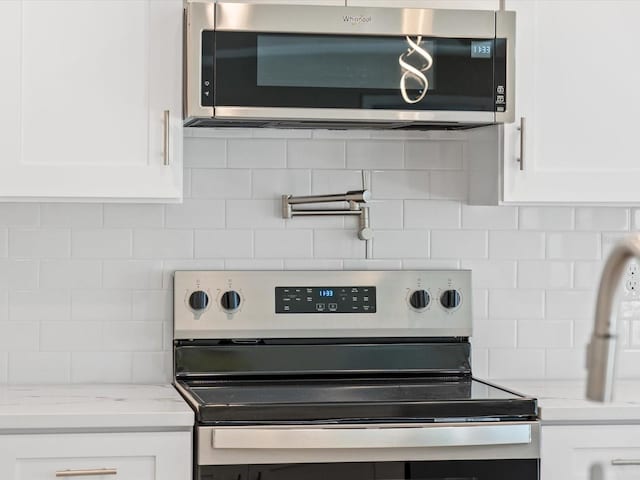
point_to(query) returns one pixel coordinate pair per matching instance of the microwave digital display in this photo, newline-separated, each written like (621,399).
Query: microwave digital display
(481,49)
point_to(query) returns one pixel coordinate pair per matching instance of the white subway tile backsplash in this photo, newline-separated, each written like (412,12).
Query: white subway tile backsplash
(205,152)
(220,183)
(598,219)
(19,274)
(491,273)
(196,213)
(272,184)
(283,243)
(544,274)
(494,334)
(101,367)
(569,304)
(71,215)
(155,243)
(469,244)
(79,274)
(367,264)
(546,218)
(256,153)
(517,364)
(39,305)
(541,334)
(404,184)
(132,336)
(153,305)
(586,275)
(335,181)
(224,244)
(132,274)
(401,244)
(122,215)
(101,243)
(86,289)
(39,367)
(152,367)
(573,246)
(516,245)
(374,154)
(19,215)
(256,214)
(71,336)
(316,154)
(40,243)
(448,185)
(489,218)
(19,336)
(101,305)
(431,155)
(516,303)
(431,214)
(335,243)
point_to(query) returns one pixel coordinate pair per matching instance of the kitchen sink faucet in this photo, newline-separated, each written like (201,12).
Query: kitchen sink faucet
(601,351)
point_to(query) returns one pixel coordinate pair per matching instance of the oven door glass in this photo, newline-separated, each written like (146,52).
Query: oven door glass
(521,469)
(354,72)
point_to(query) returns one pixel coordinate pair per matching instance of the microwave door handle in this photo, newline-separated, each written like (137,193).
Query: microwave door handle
(349,438)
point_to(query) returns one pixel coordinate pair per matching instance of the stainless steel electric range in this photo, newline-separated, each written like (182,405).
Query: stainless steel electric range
(358,375)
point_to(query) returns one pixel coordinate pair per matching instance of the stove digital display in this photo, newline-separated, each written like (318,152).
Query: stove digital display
(297,299)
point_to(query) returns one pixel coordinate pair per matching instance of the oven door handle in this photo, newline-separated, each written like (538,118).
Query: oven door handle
(391,437)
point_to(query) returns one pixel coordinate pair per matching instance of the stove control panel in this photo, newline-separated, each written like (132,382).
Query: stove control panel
(326,300)
(315,304)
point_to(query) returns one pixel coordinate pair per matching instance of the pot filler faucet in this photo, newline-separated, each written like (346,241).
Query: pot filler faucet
(601,351)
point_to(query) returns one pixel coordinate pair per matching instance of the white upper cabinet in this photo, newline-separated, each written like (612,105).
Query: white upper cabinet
(83,96)
(577,88)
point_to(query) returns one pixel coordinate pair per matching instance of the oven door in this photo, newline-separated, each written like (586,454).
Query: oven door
(451,69)
(460,451)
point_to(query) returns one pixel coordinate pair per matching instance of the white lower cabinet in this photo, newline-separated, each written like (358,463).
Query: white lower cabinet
(590,452)
(101,456)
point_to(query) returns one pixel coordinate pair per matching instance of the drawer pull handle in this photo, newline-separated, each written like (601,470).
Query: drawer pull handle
(165,139)
(86,473)
(622,462)
(520,159)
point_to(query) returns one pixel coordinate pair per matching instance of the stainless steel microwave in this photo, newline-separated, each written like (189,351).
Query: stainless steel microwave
(340,67)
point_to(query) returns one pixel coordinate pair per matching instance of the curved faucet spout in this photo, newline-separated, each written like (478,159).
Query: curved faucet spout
(601,351)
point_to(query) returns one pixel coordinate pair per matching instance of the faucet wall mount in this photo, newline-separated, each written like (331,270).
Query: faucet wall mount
(355,198)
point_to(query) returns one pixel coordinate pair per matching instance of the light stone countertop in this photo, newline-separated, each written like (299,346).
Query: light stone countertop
(93,408)
(564,402)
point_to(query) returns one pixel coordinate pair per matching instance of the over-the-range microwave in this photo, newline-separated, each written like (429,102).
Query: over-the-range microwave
(340,67)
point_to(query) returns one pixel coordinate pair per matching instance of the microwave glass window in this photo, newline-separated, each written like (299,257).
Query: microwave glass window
(338,62)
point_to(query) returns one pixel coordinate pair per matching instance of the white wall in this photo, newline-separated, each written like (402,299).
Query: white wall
(85,288)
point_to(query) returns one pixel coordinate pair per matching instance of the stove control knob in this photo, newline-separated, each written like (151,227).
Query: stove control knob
(450,299)
(199,300)
(419,299)
(230,300)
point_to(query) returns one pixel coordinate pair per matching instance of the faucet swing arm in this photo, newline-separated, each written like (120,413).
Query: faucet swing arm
(355,198)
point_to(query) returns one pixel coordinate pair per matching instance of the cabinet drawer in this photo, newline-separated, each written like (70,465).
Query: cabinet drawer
(97,456)
(99,468)
(591,452)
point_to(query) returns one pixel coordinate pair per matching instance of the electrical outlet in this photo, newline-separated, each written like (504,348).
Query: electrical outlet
(632,279)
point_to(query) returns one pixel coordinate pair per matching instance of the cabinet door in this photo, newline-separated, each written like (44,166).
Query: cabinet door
(577,88)
(94,78)
(121,456)
(590,452)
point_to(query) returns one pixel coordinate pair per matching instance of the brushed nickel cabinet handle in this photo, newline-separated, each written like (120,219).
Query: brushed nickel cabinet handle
(86,473)
(166,138)
(522,142)
(622,462)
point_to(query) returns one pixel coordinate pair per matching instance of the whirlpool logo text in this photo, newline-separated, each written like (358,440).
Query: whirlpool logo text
(416,73)
(356,19)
